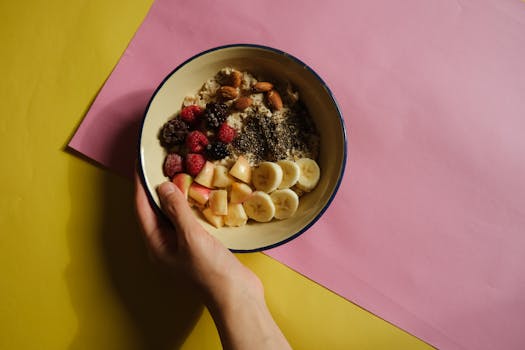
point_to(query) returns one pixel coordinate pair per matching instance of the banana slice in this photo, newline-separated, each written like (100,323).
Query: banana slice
(286,203)
(309,174)
(267,177)
(259,207)
(291,173)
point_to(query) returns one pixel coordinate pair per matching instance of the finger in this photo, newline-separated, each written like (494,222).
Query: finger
(145,213)
(148,220)
(176,207)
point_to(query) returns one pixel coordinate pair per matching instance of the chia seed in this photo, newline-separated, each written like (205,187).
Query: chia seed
(249,140)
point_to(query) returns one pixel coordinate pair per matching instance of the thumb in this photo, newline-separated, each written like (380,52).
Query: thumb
(176,208)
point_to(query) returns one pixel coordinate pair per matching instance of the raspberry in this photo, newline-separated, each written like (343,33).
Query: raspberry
(190,113)
(196,141)
(217,150)
(173,132)
(194,163)
(226,133)
(215,114)
(172,165)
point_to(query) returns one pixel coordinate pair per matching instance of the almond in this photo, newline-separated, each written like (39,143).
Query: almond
(242,103)
(262,86)
(228,92)
(236,78)
(274,99)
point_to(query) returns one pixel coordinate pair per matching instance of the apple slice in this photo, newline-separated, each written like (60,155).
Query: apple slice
(215,220)
(219,202)
(221,178)
(242,170)
(183,182)
(199,193)
(240,192)
(205,176)
(236,215)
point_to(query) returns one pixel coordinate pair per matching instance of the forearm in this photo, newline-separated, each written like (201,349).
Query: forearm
(244,321)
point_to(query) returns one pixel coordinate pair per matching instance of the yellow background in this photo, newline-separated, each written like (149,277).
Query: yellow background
(74,272)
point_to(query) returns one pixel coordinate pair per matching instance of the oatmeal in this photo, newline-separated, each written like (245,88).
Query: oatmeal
(239,129)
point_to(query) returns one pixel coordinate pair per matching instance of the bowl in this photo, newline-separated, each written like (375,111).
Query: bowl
(189,77)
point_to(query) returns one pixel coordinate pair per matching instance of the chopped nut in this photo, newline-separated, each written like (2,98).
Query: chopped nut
(228,92)
(242,103)
(274,99)
(262,86)
(236,78)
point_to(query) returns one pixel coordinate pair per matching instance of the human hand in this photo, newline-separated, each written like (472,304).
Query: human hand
(182,243)
(233,294)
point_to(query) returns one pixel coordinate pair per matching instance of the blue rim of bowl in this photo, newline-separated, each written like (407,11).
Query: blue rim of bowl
(304,65)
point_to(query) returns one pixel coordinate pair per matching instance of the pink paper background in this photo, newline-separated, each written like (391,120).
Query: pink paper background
(427,230)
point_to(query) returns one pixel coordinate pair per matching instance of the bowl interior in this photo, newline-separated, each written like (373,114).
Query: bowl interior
(188,79)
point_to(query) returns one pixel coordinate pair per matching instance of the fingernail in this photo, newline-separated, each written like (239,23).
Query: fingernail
(166,188)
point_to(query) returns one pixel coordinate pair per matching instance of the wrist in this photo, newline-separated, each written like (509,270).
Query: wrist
(232,293)
(237,304)
(244,321)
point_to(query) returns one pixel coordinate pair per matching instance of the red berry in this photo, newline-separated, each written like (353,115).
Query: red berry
(196,141)
(190,113)
(226,133)
(172,165)
(194,163)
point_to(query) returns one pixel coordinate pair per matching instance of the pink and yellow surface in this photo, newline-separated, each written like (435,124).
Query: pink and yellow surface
(426,231)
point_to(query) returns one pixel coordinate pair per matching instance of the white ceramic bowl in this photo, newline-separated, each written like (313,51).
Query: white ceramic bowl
(188,78)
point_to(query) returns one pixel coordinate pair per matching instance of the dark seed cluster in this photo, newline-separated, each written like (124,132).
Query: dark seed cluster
(300,129)
(267,140)
(249,139)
